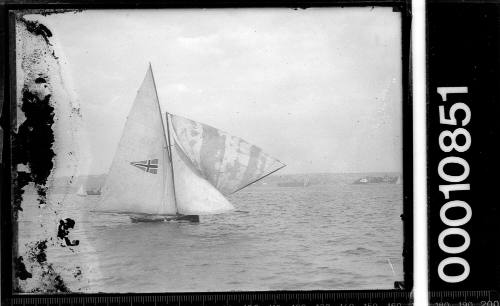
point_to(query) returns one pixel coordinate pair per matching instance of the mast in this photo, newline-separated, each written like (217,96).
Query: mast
(169,150)
(167,137)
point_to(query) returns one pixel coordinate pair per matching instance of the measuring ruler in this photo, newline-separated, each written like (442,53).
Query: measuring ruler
(464,298)
(305,298)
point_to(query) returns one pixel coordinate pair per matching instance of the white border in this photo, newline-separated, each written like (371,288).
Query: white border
(418,43)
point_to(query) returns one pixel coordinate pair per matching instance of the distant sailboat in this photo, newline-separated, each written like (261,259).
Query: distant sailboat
(177,170)
(295,183)
(81,192)
(96,191)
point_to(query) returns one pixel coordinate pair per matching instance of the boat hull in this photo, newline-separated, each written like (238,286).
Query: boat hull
(175,218)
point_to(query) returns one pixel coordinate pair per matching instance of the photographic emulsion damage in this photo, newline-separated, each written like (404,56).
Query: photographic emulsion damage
(208,150)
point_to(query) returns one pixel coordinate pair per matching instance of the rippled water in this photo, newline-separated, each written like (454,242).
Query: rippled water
(339,236)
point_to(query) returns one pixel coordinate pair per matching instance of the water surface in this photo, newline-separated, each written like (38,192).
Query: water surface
(337,236)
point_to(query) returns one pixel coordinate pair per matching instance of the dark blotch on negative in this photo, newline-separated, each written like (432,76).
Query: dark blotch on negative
(20,181)
(59,284)
(38,29)
(32,145)
(40,251)
(37,255)
(77,273)
(63,231)
(20,267)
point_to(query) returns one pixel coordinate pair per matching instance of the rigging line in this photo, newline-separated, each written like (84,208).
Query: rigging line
(258,179)
(167,139)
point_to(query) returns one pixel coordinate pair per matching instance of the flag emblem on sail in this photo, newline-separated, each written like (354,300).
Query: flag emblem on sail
(150,165)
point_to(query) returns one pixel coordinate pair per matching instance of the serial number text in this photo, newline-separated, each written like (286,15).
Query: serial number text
(454,140)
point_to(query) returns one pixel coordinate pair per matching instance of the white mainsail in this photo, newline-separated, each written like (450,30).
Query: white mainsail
(137,180)
(184,167)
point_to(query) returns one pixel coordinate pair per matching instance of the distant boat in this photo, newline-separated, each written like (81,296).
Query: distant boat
(378,180)
(298,183)
(363,180)
(81,192)
(399,181)
(178,170)
(96,191)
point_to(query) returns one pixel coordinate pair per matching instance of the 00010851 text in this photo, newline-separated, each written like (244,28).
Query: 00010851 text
(448,143)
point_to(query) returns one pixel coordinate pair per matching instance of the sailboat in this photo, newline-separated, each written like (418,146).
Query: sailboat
(170,168)
(81,192)
(95,191)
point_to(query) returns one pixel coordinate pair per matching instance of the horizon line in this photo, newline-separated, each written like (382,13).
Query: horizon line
(274,174)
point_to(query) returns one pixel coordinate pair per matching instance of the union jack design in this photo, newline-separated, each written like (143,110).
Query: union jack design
(150,165)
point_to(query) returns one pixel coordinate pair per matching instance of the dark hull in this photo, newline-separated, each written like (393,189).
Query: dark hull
(184,218)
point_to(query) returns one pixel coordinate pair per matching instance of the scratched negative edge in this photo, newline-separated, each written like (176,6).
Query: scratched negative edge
(43,93)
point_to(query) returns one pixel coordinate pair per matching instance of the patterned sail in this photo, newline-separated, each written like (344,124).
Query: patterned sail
(140,179)
(229,163)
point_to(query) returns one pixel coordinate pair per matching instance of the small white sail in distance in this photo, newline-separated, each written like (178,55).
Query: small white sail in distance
(181,167)
(81,192)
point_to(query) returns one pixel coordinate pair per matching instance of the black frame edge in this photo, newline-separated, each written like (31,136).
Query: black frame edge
(8,115)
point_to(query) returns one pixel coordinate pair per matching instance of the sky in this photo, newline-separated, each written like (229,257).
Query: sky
(318,89)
